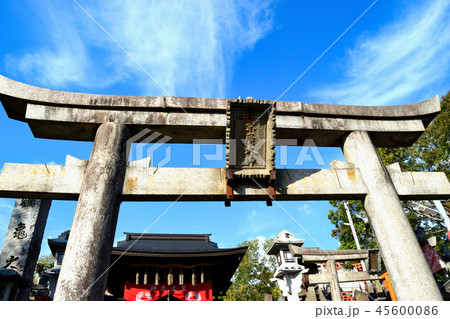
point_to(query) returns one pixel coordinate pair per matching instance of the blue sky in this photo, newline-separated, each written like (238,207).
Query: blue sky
(398,52)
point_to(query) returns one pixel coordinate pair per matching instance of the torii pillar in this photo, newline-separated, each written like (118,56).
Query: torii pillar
(402,255)
(87,257)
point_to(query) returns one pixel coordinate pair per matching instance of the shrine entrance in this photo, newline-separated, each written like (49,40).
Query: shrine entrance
(250,129)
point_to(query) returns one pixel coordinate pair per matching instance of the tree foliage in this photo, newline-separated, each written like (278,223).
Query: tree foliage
(431,152)
(45,262)
(343,232)
(252,278)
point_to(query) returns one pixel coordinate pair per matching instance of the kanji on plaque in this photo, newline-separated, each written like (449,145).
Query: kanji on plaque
(199,292)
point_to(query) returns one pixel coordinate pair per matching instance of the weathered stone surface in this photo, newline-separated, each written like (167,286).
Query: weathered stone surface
(319,255)
(335,164)
(14,95)
(401,253)
(329,131)
(83,272)
(250,138)
(55,181)
(59,122)
(75,116)
(23,239)
(405,182)
(324,278)
(333,279)
(143,183)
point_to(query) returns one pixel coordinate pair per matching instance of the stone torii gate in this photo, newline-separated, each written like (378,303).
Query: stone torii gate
(103,182)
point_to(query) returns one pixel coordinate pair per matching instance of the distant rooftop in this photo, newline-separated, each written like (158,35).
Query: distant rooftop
(58,243)
(145,236)
(170,244)
(159,244)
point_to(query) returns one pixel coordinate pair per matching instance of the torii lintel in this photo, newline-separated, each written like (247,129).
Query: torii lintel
(76,116)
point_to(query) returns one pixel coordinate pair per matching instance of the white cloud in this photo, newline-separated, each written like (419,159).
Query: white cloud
(305,208)
(187,46)
(261,240)
(64,56)
(400,60)
(119,238)
(259,224)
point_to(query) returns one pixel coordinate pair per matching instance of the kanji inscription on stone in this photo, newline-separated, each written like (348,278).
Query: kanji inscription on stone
(20,231)
(27,202)
(23,239)
(9,262)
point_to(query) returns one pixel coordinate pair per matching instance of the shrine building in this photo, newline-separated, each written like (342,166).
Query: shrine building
(172,267)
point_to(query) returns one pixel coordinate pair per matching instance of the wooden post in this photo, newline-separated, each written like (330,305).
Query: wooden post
(311,294)
(181,277)
(202,276)
(321,295)
(334,280)
(360,296)
(378,288)
(369,286)
(170,277)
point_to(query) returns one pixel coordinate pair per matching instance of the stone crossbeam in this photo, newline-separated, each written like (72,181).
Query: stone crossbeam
(342,277)
(317,255)
(63,182)
(75,116)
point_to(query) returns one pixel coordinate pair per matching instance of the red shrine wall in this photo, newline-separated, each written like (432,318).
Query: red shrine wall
(152,292)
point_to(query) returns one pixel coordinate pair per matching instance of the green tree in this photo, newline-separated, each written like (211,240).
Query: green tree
(252,278)
(431,152)
(338,218)
(45,262)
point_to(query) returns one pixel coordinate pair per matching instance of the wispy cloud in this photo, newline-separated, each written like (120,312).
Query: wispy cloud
(187,46)
(305,208)
(63,58)
(259,224)
(119,238)
(398,62)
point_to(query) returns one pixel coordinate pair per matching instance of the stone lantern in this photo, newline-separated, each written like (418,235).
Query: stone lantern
(288,274)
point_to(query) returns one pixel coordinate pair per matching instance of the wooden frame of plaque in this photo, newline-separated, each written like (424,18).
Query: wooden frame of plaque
(250,138)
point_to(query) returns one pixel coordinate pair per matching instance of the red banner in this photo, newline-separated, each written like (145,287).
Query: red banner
(199,292)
